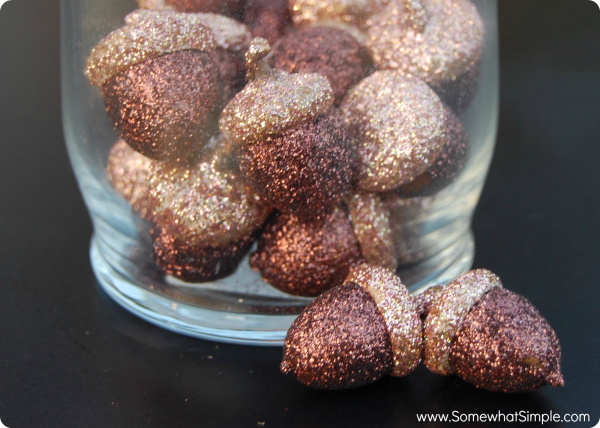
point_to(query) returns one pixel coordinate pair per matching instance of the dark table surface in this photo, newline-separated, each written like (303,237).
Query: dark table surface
(70,357)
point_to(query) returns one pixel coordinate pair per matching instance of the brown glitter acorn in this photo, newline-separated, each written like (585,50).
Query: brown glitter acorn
(161,87)
(306,258)
(447,166)
(438,41)
(267,18)
(204,219)
(356,333)
(397,128)
(490,337)
(232,39)
(292,145)
(217,6)
(331,52)
(129,173)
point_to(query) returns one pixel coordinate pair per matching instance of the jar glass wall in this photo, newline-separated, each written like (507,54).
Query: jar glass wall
(237,162)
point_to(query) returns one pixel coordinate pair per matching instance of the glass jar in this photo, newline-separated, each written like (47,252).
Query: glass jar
(238,157)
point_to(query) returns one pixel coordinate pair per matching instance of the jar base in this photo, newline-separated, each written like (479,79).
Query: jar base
(252,329)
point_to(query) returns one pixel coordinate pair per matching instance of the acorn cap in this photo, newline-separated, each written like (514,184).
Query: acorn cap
(505,345)
(339,341)
(273,101)
(355,12)
(398,310)
(145,39)
(425,300)
(371,221)
(447,314)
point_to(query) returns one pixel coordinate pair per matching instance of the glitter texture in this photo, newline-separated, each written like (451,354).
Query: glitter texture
(447,166)
(330,52)
(166,107)
(128,172)
(447,46)
(273,101)
(505,345)
(307,258)
(340,341)
(204,206)
(397,127)
(267,18)
(371,222)
(305,171)
(446,316)
(424,301)
(143,40)
(355,12)
(398,310)
(219,6)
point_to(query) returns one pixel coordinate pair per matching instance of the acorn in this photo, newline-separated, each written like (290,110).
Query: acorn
(204,218)
(438,41)
(397,129)
(307,258)
(353,12)
(490,337)
(160,85)
(292,146)
(224,7)
(356,333)
(267,19)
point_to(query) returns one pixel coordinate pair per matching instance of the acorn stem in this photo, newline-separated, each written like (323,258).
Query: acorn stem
(255,59)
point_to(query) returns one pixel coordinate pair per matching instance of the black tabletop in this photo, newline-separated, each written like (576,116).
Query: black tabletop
(70,357)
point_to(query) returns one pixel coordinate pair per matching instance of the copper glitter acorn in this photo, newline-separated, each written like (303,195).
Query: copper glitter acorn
(328,51)
(160,84)
(306,258)
(218,6)
(267,18)
(356,333)
(397,129)
(490,337)
(447,166)
(292,146)
(129,173)
(204,219)
(438,41)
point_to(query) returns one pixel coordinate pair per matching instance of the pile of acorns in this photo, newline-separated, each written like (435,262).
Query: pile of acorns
(309,147)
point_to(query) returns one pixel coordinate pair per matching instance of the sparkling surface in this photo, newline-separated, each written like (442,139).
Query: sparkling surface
(219,6)
(129,173)
(397,127)
(267,18)
(166,107)
(144,40)
(505,345)
(371,221)
(425,300)
(399,312)
(449,311)
(307,258)
(330,52)
(447,166)
(355,12)
(448,45)
(305,171)
(340,341)
(273,101)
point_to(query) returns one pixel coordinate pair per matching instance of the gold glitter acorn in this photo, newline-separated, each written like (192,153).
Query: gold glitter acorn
(129,173)
(490,337)
(397,129)
(371,221)
(355,333)
(355,12)
(293,147)
(218,6)
(438,41)
(160,84)
(204,219)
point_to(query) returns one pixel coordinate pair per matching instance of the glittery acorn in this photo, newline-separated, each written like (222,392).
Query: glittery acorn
(129,173)
(438,41)
(397,128)
(292,145)
(447,166)
(331,52)
(490,337)
(161,87)
(204,219)
(267,18)
(356,333)
(217,6)
(307,258)
(354,12)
